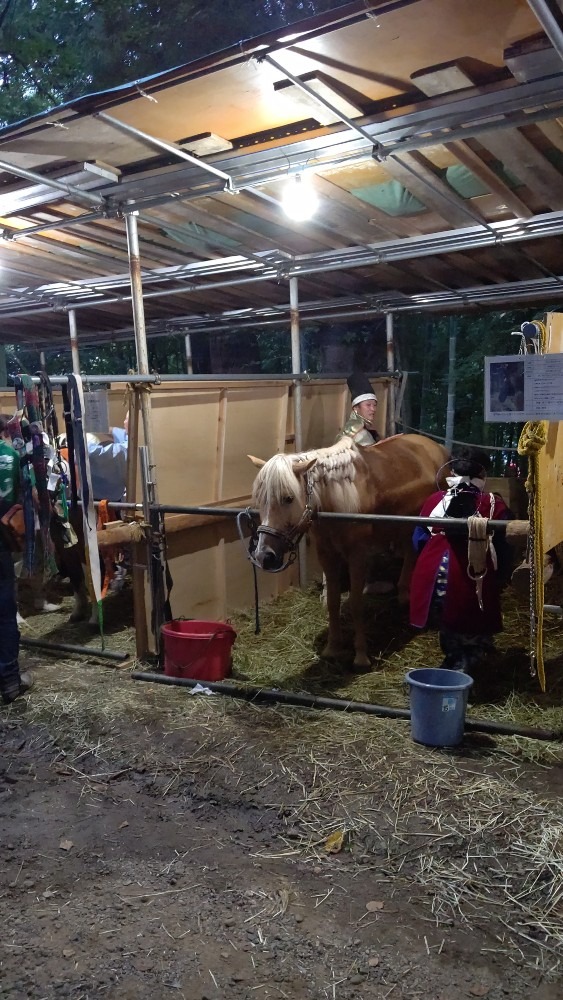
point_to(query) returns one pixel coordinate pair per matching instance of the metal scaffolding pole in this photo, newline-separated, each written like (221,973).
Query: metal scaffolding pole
(141,347)
(550,21)
(74,341)
(167,147)
(297,398)
(149,465)
(155,379)
(189,355)
(73,193)
(391,415)
(450,412)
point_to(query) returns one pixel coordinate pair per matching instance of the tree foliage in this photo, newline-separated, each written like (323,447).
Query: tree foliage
(52,51)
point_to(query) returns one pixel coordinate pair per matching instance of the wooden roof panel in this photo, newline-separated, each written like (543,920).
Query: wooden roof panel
(389,63)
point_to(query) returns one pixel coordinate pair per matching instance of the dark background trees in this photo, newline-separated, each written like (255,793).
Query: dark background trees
(52,51)
(421,351)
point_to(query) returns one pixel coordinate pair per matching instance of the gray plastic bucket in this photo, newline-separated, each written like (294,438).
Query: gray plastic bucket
(438,701)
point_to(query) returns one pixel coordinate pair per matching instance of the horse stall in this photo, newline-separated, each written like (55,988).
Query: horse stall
(203,432)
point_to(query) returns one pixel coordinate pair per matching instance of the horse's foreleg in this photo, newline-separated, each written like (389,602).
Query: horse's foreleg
(333,648)
(357,568)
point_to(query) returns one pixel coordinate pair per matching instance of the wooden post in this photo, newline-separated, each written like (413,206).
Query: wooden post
(297,399)
(138,549)
(74,341)
(391,423)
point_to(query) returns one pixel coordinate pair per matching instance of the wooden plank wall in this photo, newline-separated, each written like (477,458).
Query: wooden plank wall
(203,433)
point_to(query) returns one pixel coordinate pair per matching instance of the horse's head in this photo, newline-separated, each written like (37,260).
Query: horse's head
(282,493)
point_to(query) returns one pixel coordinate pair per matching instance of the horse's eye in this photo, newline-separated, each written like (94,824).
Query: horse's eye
(287,500)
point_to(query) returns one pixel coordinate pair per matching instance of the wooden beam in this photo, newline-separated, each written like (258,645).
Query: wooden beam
(438,80)
(470,159)
(419,177)
(521,157)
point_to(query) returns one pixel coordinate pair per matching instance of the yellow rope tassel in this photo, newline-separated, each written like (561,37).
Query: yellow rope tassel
(532,439)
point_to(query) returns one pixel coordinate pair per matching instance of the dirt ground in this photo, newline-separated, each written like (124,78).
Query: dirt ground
(154,843)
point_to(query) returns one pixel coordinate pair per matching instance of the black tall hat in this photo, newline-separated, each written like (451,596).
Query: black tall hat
(360,388)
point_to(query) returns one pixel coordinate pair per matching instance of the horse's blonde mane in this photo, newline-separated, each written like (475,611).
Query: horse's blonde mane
(332,478)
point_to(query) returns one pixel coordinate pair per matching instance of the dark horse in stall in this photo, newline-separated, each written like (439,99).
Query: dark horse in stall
(394,476)
(71,561)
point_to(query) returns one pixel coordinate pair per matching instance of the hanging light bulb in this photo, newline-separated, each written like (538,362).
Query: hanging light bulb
(299,199)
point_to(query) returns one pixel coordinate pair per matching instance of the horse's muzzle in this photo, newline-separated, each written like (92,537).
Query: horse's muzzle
(273,551)
(270,560)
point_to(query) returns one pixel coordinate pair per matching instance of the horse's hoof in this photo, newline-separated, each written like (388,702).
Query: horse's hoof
(362,664)
(362,668)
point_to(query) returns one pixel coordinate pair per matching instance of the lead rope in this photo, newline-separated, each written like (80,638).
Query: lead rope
(241,516)
(478,547)
(532,439)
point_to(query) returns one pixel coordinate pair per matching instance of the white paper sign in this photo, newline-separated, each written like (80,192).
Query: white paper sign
(521,387)
(96,411)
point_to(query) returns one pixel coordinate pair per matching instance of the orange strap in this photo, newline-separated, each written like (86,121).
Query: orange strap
(111,555)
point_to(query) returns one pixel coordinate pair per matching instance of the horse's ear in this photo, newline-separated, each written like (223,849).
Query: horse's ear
(300,468)
(258,462)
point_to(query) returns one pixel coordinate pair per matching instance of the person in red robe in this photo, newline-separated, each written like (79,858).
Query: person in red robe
(444,591)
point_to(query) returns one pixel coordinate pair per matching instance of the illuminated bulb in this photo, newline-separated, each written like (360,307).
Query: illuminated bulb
(299,199)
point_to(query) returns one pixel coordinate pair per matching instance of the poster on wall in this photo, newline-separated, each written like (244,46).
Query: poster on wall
(96,411)
(523,387)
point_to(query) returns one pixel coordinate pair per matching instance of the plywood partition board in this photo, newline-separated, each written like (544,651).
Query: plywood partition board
(212,576)
(323,413)
(184,425)
(117,405)
(326,407)
(255,425)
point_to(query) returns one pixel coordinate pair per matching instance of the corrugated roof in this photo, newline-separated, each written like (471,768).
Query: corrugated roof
(431,130)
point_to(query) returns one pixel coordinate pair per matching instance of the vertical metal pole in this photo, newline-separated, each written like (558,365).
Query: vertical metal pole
(42,361)
(391,415)
(189,358)
(74,341)
(450,412)
(297,398)
(296,361)
(148,467)
(140,329)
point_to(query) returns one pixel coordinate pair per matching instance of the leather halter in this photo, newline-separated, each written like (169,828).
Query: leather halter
(290,538)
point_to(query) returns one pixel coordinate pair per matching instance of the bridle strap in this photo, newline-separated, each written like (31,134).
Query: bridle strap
(290,538)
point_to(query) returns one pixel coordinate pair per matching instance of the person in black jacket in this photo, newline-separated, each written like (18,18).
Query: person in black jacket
(12,683)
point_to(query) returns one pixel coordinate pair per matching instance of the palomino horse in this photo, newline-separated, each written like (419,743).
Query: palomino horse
(393,476)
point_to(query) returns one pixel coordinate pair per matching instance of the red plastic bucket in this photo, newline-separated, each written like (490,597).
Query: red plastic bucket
(199,650)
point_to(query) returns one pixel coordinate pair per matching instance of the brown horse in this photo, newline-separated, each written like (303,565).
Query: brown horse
(393,476)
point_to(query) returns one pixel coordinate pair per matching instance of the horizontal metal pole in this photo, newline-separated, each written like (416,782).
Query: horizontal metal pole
(438,522)
(518,231)
(16,234)
(298,700)
(167,147)
(73,193)
(156,379)
(64,647)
